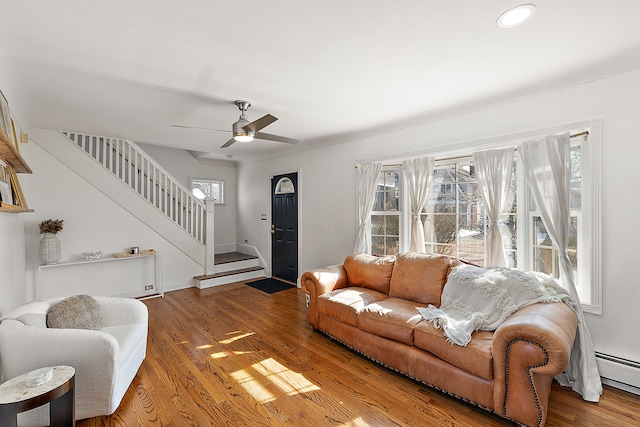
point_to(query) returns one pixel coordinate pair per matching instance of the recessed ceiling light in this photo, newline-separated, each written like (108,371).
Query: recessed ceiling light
(515,16)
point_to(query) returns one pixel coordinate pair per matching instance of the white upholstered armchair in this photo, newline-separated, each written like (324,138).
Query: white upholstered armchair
(106,360)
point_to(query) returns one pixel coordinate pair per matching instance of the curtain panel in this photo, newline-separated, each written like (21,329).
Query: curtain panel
(494,170)
(367,183)
(418,173)
(547,165)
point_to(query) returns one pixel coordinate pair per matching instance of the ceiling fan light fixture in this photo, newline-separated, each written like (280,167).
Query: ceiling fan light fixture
(516,16)
(239,133)
(243,138)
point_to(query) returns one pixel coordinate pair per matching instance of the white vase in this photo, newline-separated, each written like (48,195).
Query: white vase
(50,249)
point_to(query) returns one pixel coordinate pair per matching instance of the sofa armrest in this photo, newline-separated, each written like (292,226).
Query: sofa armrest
(529,349)
(122,311)
(321,281)
(25,348)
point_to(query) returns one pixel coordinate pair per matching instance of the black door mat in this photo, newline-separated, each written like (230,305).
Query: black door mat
(270,286)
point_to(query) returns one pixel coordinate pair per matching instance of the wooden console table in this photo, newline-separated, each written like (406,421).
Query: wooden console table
(16,397)
(96,270)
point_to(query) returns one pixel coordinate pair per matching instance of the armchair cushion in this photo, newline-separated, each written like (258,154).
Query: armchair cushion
(76,312)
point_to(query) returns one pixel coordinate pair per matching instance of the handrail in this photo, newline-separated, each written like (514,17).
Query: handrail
(129,163)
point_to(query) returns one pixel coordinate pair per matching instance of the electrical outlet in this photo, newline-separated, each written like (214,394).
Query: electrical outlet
(148,287)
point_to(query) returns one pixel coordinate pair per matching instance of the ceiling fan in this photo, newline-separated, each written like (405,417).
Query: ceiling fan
(245,131)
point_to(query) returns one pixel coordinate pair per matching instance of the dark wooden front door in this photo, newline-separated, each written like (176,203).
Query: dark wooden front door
(284,226)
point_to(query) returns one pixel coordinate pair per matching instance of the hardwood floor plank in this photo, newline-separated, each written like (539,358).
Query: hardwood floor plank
(235,356)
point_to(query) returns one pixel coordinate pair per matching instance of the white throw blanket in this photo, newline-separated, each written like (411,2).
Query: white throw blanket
(476,298)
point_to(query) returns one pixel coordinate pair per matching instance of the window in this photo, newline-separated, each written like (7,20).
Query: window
(454,217)
(544,255)
(285,186)
(455,223)
(385,216)
(206,188)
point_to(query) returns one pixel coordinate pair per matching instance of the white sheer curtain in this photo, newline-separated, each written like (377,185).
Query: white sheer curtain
(366,187)
(418,174)
(494,169)
(547,165)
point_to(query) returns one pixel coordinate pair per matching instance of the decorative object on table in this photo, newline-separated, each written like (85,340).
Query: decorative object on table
(39,377)
(135,250)
(50,252)
(140,253)
(91,256)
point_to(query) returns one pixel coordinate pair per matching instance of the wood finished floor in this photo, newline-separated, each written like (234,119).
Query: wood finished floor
(235,356)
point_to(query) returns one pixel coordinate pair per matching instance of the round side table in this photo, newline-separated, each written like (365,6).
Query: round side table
(16,397)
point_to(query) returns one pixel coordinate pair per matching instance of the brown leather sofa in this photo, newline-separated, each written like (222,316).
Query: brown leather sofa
(368,304)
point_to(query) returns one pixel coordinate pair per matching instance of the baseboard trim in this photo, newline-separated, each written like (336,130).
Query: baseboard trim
(621,386)
(619,372)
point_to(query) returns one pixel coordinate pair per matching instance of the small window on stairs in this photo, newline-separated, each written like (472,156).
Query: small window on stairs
(205,188)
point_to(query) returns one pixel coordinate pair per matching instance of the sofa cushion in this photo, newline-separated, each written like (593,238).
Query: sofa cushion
(76,312)
(344,304)
(420,277)
(369,271)
(392,318)
(476,358)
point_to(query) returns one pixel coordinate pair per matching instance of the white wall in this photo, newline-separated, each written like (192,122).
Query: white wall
(12,261)
(92,222)
(183,166)
(327,186)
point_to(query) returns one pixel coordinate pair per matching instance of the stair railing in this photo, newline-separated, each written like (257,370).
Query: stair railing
(131,165)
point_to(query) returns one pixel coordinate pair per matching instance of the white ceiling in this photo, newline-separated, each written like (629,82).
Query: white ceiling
(330,70)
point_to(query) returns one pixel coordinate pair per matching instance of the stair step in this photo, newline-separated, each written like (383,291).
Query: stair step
(227,273)
(232,257)
(231,261)
(231,267)
(226,277)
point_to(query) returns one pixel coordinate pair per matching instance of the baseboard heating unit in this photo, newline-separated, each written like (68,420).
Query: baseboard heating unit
(618,372)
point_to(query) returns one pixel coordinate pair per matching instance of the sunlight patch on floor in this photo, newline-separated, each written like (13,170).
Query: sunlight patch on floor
(290,382)
(275,376)
(252,386)
(223,354)
(236,338)
(204,347)
(357,422)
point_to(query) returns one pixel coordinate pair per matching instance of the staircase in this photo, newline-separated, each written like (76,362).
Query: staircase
(231,267)
(151,194)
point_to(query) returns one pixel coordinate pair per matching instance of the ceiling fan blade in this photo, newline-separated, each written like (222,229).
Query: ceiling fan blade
(228,143)
(278,138)
(199,128)
(262,122)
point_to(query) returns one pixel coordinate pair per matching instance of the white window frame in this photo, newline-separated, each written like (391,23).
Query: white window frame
(400,213)
(212,181)
(589,218)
